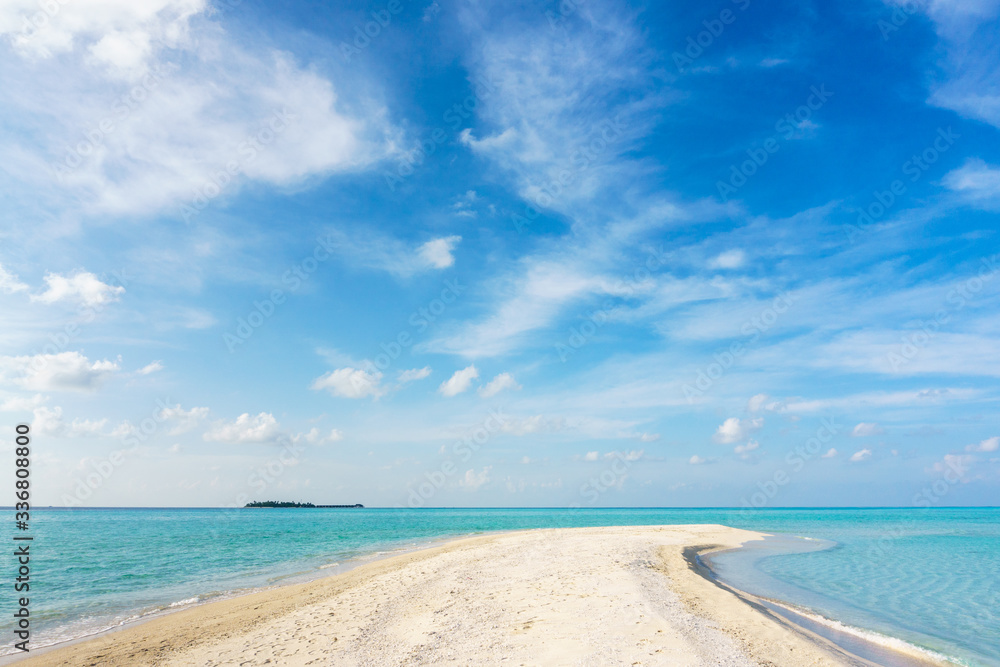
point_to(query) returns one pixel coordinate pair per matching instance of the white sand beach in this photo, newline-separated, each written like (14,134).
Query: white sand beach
(577,596)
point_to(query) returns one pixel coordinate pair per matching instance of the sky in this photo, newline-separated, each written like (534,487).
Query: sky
(462,253)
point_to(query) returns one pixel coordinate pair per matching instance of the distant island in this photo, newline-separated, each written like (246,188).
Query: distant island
(284,503)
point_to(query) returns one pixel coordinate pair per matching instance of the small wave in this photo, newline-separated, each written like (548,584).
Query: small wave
(181,603)
(886,641)
(323,567)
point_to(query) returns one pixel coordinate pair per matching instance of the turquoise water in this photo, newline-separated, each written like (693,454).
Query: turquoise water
(929,576)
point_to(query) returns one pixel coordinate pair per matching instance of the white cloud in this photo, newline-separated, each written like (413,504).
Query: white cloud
(590,456)
(375,250)
(830,453)
(106,30)
(977,182)
(756,402)
(730,259)
(19,404)
(633,455)
(473,480)
(63,371)
(184,420)
(81,288)
(150,368)
(50,422)
(987,445)
(459,382)
(414,374)
(861,455)
(744,450)
(9,282)
(47,420)
(698,460)
(649,437)
(865,429)
(246,429)
(437,253)
(954,463)
(206,100)
(316,437)
(734,429)
(498,384)
(350,383)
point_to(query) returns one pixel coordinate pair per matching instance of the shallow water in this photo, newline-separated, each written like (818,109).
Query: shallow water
(927,576)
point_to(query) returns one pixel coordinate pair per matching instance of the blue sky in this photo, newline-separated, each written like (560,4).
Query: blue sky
(509,254)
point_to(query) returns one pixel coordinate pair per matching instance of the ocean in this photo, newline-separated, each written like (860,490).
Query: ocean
(929,577)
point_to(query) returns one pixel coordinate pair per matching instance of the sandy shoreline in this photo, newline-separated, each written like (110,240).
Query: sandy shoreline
(573,596)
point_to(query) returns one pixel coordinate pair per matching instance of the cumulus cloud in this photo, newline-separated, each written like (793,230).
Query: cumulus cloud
(350,383)
(82,288)
(730,259)
(183,420)
(245,430)
(830,453)
(648,437)
(865,429)
(50,422)
(498,384)
(473,480)
(987,445)
(590,456)
(414,374)
(698,460)
(459,382)
(861,455)
(734,429)
(756,402)
(744,450)
(9,282)
(437,253)
(62,371)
